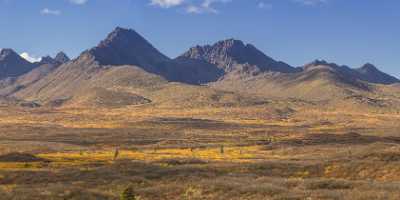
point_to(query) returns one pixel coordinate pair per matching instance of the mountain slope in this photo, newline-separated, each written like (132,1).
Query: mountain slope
(191,71)
(318,81)
(370,73)
(13,65)
(47,64)
(125,70)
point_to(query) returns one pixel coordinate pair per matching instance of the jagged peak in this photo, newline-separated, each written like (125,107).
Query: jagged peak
(231,42)
(120,35)
(61,57)
(229,54)
(47,60)
(226,44)
(125,47)
(318,62)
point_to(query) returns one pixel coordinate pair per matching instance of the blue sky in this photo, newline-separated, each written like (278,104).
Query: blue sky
(350,32)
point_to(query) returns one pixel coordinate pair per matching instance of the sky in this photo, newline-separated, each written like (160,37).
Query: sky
(347,32)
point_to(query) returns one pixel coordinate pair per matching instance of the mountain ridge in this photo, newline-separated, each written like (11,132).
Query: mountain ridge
(111,68)
(228,54)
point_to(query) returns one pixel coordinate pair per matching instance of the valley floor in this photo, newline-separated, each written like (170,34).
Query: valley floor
(238,152)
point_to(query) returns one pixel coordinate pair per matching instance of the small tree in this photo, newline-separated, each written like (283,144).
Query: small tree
(128,194)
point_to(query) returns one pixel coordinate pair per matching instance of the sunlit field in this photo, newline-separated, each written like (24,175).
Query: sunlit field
(254,152)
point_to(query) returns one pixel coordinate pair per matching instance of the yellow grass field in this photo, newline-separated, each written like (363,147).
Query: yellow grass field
(251,152)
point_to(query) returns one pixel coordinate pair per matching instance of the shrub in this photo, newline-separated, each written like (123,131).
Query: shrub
(128,194)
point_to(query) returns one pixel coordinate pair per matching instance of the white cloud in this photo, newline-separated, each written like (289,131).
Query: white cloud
(30,58)
(311,2)
(191,6)
(193,9)
(47,11)
(209,6)
(79,2)
(263,5)
(167,3)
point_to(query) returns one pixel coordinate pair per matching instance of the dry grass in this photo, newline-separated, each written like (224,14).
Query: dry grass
(269,151)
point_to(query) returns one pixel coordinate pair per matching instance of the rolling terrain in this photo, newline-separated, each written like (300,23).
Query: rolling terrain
(221,121)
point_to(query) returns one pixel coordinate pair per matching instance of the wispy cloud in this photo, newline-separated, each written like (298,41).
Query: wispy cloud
(207,5)
(167,3)
(263,5)
(311,2)
(210,6)
(79,2)
(193,9)
(47,11)
(191,6)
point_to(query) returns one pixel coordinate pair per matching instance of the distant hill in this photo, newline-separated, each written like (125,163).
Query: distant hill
(368,72)
(317,81)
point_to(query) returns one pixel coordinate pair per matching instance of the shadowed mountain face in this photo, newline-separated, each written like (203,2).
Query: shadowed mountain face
(231,55)
(316,82)
(44,67)
(13,65)
(121,65)
(61,57)
(126,47)
(370,73)
(191,71)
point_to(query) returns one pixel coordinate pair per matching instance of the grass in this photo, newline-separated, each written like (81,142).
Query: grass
(230,154)
(174,153)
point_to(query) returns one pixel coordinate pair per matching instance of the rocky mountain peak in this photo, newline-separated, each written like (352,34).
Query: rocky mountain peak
(230,44)
(121,35)
(61,57)
(371,73)
(47,60)
(324,65)
(127,47)
(232,54)
(317,62)
(12,64)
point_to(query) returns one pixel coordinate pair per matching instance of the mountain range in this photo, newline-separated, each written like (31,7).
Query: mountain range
(125,69)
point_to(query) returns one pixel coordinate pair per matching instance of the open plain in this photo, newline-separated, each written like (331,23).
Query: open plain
(267,150)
